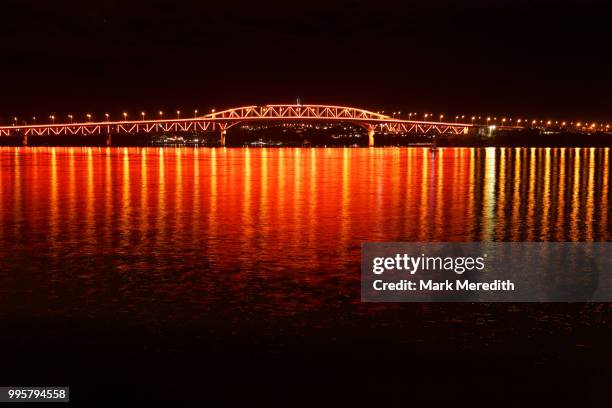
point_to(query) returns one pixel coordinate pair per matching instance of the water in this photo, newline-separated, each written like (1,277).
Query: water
(175,248)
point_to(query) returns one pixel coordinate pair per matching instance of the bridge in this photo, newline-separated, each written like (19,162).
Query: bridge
(222,121)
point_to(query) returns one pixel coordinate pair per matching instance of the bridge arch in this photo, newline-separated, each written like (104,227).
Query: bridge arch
(289,113)
(305,112)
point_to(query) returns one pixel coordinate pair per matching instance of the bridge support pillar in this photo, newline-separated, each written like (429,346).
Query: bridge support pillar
(108,140)
(24,141)
(222,140)
(371,137)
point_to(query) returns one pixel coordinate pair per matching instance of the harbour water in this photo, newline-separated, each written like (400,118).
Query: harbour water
(166,250)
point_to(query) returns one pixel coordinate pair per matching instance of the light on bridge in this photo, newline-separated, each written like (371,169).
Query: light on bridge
(106,115)
(143,115)
(88,117)
(52,117)
(124,115)
(70,117)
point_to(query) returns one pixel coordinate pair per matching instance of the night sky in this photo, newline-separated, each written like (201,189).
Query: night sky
(534,58)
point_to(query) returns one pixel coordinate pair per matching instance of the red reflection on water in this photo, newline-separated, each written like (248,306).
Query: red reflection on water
(152,223)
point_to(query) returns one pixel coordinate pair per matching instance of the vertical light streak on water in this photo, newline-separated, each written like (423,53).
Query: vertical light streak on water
(424,230)
(439,190)
(196,210)
(575,203)
(531,195)
(377,173)
(546,199)
(265,213)
(281,191)
(35,201)
(18,193)
(516,197)
(246,202)
(471,194)
(501,197)
(397,175)
(389,190)
(161,216)
(559,235)
(90,200)
(53,205)
(70,215)
(298,191)
(602,208)
(409,183)
(590,191)
(456,186)
(213,210)
(313,200)
(488,205)
(179,191)
(126,203)
(467,194)
(108,195)
(145,205)
(344,202)
(432,183)
(176,183)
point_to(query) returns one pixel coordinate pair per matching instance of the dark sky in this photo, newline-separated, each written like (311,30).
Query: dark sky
(546,58)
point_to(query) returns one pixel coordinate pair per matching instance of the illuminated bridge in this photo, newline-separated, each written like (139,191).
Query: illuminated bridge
(223,120)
